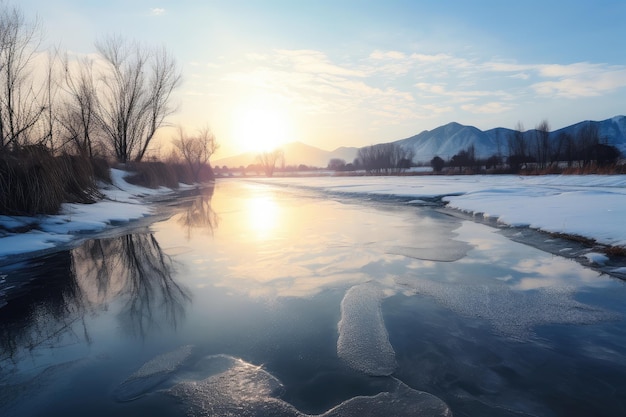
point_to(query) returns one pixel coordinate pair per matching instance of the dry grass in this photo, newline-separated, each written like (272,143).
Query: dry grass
(157,174)
(590,169)
(618,251)
(32,181)
(152,174)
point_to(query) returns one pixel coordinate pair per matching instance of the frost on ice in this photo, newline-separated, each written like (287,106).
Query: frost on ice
(225,386)
(512,313)
(363,341)
(152,374)
(244,389)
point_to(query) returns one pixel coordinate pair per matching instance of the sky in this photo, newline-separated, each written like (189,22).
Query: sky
(355,73)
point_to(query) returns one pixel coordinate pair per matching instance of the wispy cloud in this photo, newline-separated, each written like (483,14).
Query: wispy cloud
(575,80)
(157,11)
(581,80)
(492,107)
(395,87)
(311,81)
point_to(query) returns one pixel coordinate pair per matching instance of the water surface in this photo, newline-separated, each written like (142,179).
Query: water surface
(258,300)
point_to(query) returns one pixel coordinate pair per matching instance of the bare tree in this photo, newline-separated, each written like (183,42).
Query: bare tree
(464,159)
(519,154)
(196,150)
(566,148)
(20,107)
(385,158)
(49,99)
(587,138)
(135,95)
(542,143)
(77,115)
(337,164)
(268,160)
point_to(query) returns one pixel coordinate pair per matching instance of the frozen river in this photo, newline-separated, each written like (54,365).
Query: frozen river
(258,300)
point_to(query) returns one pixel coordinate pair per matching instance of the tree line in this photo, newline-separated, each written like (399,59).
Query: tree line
(539,150)
(110,104)
(62,115)
(384,158)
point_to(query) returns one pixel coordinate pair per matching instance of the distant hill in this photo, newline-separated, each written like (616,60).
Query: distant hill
(296,153)
(444,141)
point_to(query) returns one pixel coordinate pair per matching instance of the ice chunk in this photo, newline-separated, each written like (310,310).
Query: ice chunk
(242,389)
(152,374)
(363,340)
(403,401)
(248,390)
(453,251)
(511,312)
(596,258)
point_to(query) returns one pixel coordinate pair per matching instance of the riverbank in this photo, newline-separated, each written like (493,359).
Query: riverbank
(122,203)
(586,209)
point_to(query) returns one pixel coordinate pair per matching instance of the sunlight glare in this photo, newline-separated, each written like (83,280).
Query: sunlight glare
(260,126)
(263,216)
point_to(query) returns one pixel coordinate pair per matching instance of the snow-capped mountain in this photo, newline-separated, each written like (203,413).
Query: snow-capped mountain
(448,140)
(444,141)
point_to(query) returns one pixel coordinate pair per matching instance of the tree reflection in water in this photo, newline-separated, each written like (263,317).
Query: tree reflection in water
(49,299)
(134,268)
(199,214)
(44,307)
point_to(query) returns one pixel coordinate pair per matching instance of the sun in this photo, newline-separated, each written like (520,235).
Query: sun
(260,126)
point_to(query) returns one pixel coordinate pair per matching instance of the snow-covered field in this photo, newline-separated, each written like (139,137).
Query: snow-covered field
(590,206)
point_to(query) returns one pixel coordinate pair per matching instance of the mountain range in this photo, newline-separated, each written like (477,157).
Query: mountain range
(444,141)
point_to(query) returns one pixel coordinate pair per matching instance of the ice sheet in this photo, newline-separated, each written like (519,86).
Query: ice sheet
(152,374)
(512,313)
(248,390)
(592,206)
(363,342)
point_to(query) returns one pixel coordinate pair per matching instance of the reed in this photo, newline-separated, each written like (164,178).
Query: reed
(33,181)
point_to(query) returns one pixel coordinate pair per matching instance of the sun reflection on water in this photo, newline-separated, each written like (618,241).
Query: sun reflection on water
(263,214)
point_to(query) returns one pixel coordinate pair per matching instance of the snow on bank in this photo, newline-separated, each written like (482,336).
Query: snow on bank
(592,206)
(122,202)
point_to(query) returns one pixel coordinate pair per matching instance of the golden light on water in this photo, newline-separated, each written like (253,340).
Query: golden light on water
(263,214)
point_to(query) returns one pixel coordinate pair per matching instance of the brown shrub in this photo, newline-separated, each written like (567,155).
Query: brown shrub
(156,174)
(33,181)
(152,174)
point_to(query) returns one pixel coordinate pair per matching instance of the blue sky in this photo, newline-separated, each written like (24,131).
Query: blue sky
(354,73)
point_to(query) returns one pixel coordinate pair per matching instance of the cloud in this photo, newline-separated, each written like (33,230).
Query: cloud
(311,81)
(383,55)
(460,95)
(157,11)
(581,80)
(575,80)
(583,85)
(310,61)
(387,88)
(492,107)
